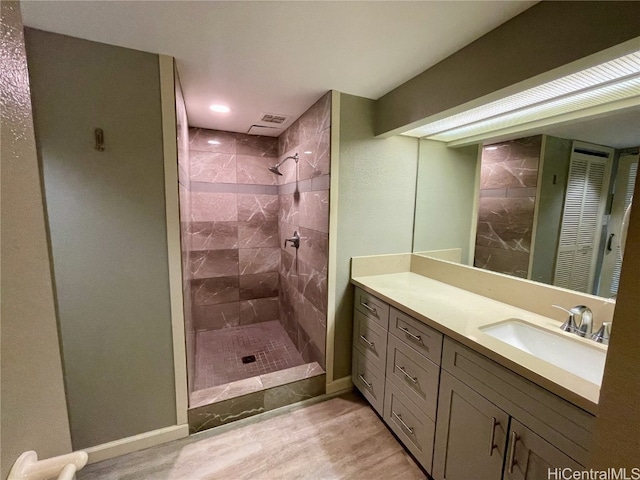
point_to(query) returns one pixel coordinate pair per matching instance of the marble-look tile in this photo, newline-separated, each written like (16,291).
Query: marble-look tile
(254,235)
(258,208)
(213,263)
(314,210)
(317,118)
(216,317)
(222,142)
(214,207)
(213,167)
(212,235)
(260,285)
(314,323)
(313,286)
(314,249)
(514,173)
(290,307)
(225,392)
(288,168)
(259,310)
(520,149)
(289,205)
(256,145)
(255,170)
(280,396)
(505,236)
(289,139)
(211,291)
(293,374)
(285,231)
(309,351)
(289,266)
(511,262)
(316,162)
(216,414)
(514,211)
(521,192)
(259,260)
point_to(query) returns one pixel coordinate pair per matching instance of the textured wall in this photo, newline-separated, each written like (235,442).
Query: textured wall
(34,410)
(304,207)
(377,183)
(508,182)
(232,232)
(445,197)
(107,221)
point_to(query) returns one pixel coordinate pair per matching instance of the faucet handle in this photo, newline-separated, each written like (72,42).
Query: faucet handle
(603,334)
(570,323)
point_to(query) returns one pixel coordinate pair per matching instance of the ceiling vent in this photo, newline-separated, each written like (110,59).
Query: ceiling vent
(274,118)
(264,130)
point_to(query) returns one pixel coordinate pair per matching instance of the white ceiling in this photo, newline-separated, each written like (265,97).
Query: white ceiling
(279,56)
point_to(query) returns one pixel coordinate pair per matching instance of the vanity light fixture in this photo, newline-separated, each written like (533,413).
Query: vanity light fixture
(612,81)
(220,108)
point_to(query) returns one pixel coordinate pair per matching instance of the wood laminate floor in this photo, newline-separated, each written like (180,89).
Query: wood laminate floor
(341,438)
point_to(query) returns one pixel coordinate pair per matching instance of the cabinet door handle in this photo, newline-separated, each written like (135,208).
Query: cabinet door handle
(492,443)
(413,379)
(364,339)
(512,452)
(371,309)
(417,338)
(369,386)
(409,429)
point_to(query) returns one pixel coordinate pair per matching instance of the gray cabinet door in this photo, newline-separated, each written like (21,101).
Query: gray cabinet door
(530,457)
(471,434)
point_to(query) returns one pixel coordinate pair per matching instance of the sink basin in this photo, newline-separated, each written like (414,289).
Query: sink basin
(574,356)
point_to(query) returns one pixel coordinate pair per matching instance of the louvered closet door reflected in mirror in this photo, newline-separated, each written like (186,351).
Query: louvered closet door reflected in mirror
(583,214)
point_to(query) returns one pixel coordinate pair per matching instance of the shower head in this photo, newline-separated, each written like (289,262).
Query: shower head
(276,168)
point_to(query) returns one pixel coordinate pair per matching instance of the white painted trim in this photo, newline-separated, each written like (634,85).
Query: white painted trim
(174,252)
(136,442)
(339,385)
(333,237)
(476,208)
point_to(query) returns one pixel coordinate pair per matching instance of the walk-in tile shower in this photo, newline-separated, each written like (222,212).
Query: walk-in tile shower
(255,306)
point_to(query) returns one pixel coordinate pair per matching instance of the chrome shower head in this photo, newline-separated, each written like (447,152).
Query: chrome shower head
(276,168)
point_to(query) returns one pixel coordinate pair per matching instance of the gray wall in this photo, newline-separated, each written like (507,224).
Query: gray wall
(106,213)
(445,197)
(544,37)
(377,179)
(34,410)
(557,154)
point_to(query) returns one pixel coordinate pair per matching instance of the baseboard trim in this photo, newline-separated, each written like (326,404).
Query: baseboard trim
(339,385)
(136,442)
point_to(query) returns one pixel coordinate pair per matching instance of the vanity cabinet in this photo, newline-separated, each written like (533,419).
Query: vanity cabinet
(459,413)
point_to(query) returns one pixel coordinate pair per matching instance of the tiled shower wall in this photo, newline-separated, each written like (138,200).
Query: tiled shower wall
(232,232)
(508,185)
(304,207)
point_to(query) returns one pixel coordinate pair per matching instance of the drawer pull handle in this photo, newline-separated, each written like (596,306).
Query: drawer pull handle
(417,338)
(364,339)
(413,379)
(371,309)
(369,386)
(492,443)
(409,429)
(512,451)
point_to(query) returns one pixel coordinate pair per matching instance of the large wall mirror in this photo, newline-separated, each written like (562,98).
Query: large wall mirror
(545,205)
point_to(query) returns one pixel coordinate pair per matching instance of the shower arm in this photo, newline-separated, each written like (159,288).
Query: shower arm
(295,157)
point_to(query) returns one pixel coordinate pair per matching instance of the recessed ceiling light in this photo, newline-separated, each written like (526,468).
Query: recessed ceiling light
(612,81)
(308,152)
(220,108)
(490,148)
(213,142)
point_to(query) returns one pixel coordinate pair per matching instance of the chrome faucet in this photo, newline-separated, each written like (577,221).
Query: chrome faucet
(580,320)
(603,334)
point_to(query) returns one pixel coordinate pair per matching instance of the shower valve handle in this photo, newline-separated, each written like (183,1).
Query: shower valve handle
(295,240)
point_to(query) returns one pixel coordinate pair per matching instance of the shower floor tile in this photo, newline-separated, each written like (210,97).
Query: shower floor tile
(219,353)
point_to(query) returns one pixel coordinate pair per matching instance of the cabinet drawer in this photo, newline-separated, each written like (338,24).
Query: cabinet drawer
(422,338)
(371,339)
(414,375)
(369,380)
(410,424)
(372,307)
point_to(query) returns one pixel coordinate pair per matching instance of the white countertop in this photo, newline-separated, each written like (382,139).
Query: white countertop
(460,314)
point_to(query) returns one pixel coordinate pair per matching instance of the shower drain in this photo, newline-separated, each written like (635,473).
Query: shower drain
(249,359)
